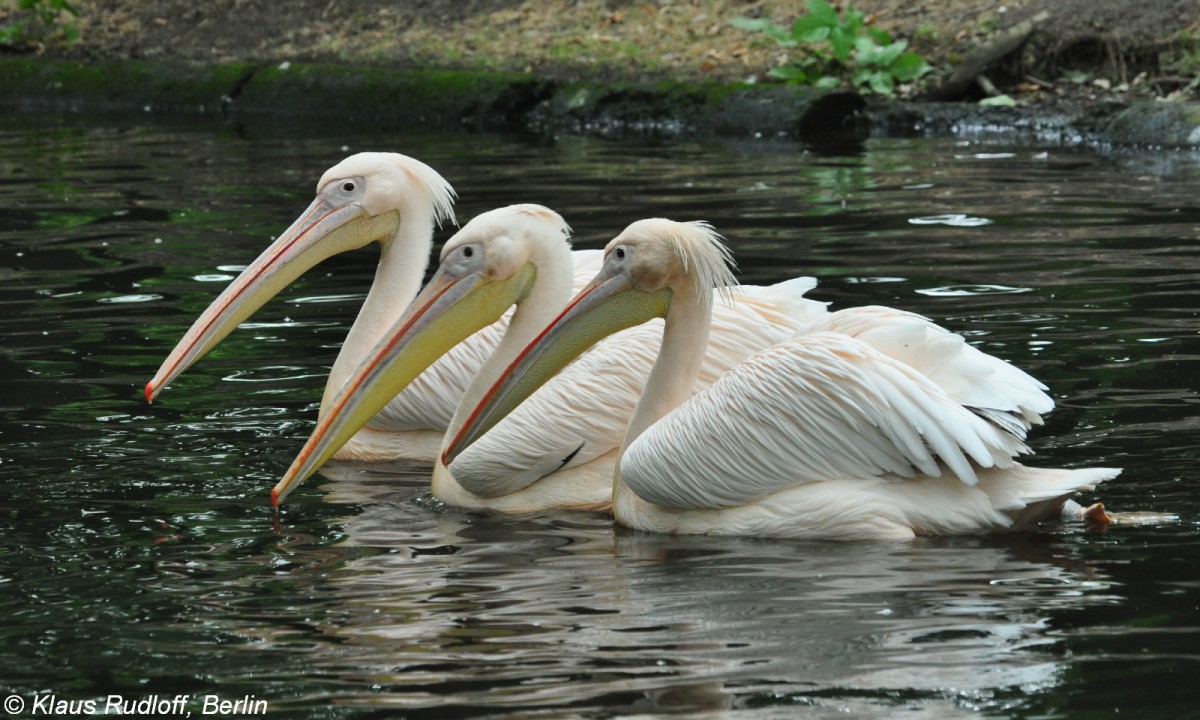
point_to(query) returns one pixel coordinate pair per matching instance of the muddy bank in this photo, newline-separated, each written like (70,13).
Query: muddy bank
(305,95)
(1079,71)
(313,94)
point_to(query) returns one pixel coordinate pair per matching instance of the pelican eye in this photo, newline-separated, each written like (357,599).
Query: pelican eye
(468,251)
(348,186)
(620,253)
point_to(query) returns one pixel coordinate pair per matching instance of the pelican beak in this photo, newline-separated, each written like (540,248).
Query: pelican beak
(323,230)
(609,304)
(449,310)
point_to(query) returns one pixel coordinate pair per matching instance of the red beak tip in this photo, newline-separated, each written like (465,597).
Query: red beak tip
(275,497)
(150,392)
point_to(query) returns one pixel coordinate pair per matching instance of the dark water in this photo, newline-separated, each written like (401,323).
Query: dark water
(140,556)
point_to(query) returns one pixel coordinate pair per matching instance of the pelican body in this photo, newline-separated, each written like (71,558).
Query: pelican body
(863,424)
(558,450)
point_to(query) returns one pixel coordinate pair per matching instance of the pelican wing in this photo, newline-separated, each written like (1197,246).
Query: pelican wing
(1003,393)
(819,407)
(576,417)
(583,412)
(784,303)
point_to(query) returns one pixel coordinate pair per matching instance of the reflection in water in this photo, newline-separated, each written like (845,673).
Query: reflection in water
(141,555)
(520,614)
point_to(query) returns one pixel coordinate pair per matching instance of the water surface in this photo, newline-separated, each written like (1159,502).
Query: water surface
(141,556)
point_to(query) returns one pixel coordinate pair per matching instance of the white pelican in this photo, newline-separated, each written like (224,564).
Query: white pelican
(551,454)
(387,198)
(819,436)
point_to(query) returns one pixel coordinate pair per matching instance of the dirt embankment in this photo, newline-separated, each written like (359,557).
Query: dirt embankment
(1075,48)
(1068,55)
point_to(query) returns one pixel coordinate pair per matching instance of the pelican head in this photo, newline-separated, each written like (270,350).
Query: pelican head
(368,197)
(651,268)
(491,264)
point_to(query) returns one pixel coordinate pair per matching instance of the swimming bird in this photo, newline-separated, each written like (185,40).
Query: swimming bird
(559,450)
(869,425)
(391,199)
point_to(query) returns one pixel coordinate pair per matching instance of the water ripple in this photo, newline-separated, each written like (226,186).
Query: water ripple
(967,290)
(142,538)
(953,220)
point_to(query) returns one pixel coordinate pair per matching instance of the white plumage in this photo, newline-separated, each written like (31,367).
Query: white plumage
(558,449)
(584,410)
(396,201)
(973,378)
(865,423)
(787,416)
(430,401)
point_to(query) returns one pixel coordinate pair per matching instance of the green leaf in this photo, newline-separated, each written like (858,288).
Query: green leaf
(881,82)
(823,11)
(827,82)
(811,62)
(742,22)
(909,67)
(13,34)
(778,33)
(866,52)
(879,35)
(999,101)
(842,43)
(853,19)
(809,29)
(789,74)
(889,54)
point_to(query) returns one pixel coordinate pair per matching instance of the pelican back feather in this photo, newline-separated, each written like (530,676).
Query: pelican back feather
(816,408)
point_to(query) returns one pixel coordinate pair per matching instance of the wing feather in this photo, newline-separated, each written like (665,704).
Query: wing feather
(813,408)
(1001,392)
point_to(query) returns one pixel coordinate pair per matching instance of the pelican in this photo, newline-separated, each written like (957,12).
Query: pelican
(552,453)
(387,198)
(822,435)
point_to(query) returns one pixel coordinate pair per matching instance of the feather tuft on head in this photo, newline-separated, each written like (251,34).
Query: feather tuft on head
(680,249)
(441,194)
(390,176)
(704,254)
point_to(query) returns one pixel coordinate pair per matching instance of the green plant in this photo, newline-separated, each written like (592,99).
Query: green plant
(834,47)
(1183,55)
(49,12)
(925,33)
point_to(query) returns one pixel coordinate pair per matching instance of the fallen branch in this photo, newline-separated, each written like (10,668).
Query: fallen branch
(976,62)
(987,86)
